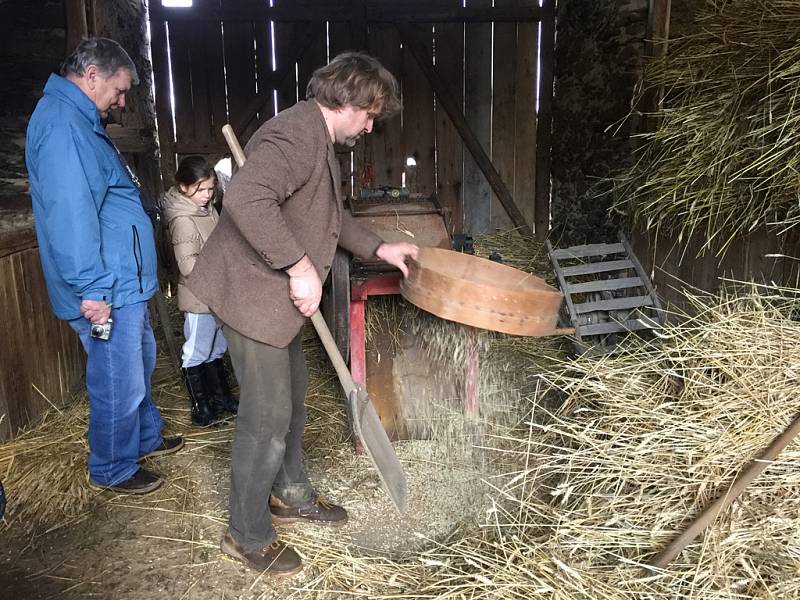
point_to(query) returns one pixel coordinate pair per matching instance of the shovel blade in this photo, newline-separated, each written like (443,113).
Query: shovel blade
(378,447)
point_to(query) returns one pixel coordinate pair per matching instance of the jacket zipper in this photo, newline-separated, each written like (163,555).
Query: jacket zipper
(137,246)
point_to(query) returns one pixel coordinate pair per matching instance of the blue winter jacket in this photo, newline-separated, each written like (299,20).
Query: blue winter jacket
(95,240)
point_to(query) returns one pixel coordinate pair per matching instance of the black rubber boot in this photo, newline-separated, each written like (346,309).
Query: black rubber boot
(217,379)
(202,413)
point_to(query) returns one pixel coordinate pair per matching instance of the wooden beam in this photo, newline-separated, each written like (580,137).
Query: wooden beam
(301,42)
(91,16)
(75,20)
(423,57)
(131,139)
(544,122)
(419,12)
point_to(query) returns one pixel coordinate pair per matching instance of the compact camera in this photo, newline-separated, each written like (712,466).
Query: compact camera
(101,332)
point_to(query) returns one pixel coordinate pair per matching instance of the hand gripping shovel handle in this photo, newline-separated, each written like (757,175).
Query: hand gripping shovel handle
(365,420)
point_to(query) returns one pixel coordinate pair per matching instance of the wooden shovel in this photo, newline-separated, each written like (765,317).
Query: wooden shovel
(365,420)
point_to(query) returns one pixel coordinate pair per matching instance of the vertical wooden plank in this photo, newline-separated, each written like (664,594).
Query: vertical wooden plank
(180,40)
(524,189)
(76,25)
(655,47)
(315,56)
(284,34)
(161,76)
(339,40)
(201,103)
(504,60)
(240,66)
(478,112)
(544,121)
(449,59)
(215,78)
(419,124)
(383,149)
(263,37)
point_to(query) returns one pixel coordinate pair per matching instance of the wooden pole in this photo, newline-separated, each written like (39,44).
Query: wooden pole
(705,518)
(655,47)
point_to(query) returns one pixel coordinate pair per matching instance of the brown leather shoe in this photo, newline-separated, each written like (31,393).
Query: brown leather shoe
(315,510)
(277,559)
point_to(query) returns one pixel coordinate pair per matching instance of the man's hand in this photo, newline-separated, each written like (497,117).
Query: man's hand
(305,288)
(396,253)
(96,311)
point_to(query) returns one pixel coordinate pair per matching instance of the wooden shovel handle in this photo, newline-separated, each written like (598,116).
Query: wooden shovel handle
(233,144)
(345,378)
(663,558)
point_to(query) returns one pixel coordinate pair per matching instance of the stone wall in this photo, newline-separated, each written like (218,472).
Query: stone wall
(599,51)
(34,47)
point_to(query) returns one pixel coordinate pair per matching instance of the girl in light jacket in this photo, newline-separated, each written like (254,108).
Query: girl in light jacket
(191,217)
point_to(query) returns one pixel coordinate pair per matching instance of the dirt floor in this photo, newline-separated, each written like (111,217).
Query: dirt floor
(165,544)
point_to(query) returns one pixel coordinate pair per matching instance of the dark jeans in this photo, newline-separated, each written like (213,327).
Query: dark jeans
(268,443)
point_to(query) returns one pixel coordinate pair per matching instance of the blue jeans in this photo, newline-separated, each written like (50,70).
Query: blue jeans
(124,424)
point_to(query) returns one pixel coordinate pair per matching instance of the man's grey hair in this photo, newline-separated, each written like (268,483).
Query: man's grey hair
(105,54)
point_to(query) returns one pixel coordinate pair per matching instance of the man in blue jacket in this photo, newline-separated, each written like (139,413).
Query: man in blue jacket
(98,257)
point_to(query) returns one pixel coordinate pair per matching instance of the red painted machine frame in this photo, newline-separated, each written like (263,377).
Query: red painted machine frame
(374,285)
(385,285)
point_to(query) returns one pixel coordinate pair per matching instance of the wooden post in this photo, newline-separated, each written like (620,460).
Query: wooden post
(544,121)
(75,19)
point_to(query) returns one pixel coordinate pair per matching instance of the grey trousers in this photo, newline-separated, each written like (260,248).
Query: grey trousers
(267,452)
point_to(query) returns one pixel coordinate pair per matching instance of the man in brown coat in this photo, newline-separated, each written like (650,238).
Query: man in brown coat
(261,273)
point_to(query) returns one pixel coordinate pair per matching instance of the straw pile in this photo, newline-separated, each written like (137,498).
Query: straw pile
(642,442)
(44,470)
(725,158)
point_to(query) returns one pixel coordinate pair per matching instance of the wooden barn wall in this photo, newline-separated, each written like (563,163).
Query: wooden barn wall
(41,357)
(490,68)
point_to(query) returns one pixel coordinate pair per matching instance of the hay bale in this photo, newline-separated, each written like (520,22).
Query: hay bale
(725,157)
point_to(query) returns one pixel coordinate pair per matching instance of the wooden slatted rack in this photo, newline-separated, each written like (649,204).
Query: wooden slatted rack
(606,292)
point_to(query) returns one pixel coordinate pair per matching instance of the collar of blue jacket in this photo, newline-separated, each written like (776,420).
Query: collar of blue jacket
(63,88)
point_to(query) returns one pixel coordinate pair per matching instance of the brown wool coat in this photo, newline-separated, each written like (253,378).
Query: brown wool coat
(189,228)
(285,202)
